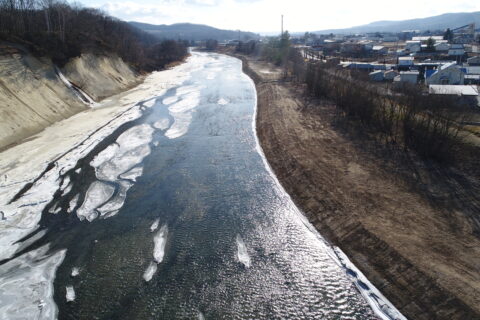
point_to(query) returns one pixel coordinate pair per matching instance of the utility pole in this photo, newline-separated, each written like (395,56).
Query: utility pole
(282,27)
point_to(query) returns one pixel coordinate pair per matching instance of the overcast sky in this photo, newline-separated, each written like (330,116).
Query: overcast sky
(264,15)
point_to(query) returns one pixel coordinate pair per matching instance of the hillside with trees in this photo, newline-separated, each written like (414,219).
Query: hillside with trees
(193,32)
(62,31)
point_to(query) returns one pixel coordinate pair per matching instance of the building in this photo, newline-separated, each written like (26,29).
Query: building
(376,76)
(425,38)
(467,95)
(456,50)
(407,77)
(448,73)
(405,61)
(474,61)
(442,47)
(472,79)
(390,75)
(413,46)
(380,50)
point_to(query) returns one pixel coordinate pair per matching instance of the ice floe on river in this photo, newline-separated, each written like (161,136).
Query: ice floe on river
(242,253)
(160,240)
(26,286)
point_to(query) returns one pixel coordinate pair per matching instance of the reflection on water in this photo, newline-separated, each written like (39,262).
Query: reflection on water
(178,218)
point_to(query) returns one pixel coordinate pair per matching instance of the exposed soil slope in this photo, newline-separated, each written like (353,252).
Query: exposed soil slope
(32,95)
(426,262)
(100,76)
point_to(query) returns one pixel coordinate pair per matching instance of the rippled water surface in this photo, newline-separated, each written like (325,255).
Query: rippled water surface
(176,216)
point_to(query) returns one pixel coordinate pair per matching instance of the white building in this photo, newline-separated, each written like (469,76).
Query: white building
(390,75)
(413,46)
(406,61)
(380,50)
(453,90)
(376,76)
(448,73)
(407,77)
(442,46)
(456,50)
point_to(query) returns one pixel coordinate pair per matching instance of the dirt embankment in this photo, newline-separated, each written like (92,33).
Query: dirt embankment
(426,262)
(32,95)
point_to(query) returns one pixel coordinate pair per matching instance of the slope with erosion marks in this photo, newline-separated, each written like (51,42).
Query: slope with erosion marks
(33,95)
(111,75)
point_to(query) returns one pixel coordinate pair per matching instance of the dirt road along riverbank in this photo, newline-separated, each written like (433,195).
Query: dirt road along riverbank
(425,262)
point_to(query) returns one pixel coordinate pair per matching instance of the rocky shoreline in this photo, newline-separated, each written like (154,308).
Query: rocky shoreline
(352,203)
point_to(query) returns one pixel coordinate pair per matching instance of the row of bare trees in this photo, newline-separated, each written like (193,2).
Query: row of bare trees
(406,117)
(60,30)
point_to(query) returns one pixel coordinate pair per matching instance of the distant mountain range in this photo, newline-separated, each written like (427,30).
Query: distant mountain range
(196,32)
(441,22)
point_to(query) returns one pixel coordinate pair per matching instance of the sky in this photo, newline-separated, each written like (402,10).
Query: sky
(264,15)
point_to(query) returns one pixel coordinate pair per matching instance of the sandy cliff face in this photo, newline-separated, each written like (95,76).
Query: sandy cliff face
(32,95)
(100,76)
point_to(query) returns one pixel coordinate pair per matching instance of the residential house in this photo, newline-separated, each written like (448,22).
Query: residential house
(407,77)
(413,46)
(390,75)
(442,47)
(465,94)
(376,76)
(474,61)
(405,61)
(456,50)
(380,50)
(448,73)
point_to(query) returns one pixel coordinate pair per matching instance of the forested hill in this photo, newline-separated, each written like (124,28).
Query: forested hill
(440,22)
(62,31)
(195,32)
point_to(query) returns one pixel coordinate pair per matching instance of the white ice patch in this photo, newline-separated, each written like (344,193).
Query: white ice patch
(242,253)
(180,125)
(223,101)
(155,144)
(132,148)
(200,316)
(170,100)
(75,272)
(97,194)
(112,207)
(162,124)
(73,203)
(70,294)
(211,76)
(160,240)
(381,306)
(132,174)
(148,274)
(26,285)
(154,225)
(149,103)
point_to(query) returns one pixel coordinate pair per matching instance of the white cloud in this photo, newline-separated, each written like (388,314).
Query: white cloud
(264,15)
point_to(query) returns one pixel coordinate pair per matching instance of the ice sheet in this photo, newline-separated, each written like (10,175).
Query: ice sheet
(242,253)
(152,268)
(97,194)
(160,240)
(26,285)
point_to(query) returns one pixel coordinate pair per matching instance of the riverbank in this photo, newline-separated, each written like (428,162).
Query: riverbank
(423,259)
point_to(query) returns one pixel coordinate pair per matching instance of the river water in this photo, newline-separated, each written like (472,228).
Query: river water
(176,215)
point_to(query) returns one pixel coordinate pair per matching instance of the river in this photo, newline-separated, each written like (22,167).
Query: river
(176,215)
